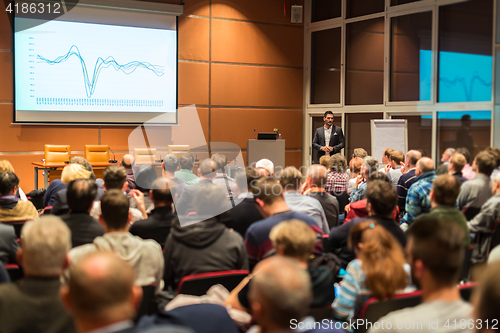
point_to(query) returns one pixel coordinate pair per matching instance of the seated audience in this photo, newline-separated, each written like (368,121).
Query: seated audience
(11,207)
(467,171)
(157,226)
(145,175)
(32,304)
(379,270)
(6,166)
(397,157)
(381,201)
(290,179)
(292,239)
(222,179)
(407,178)
(325,161)
(315,187)
(477,191)
(456,165)
(496,154)
(145,256)
(482,224)
(443,196)
(265,164)
(494,254)
(487,299)
(417,199)
(128,162)
(445,159)
(205,246)
(246,212)
(80,197)
(386,160)
(359,152)
(435,253)
(355,168)
(8,244)
(268,195)
(4,276)
(170,165)
(370,165)
(338,180)
(185,173)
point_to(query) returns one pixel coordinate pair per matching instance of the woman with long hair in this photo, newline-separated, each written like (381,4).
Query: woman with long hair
(379,271)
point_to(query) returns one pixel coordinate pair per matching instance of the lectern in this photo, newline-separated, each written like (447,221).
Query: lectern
(273,150)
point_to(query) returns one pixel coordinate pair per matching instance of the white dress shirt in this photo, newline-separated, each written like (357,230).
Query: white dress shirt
(328,135)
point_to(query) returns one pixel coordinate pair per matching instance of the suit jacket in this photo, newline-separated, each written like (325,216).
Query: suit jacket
(156,227)
(184,203)
(84,228)
(60,205)
(337,141)
(8,244)
(242,216)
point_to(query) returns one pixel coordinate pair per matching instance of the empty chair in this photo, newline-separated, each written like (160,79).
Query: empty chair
(178,150)
(57,153)
(97,153)
(145,155)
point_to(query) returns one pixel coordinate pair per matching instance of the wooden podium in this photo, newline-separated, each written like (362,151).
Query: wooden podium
(273,150)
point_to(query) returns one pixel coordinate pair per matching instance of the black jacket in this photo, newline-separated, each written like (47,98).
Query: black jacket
(156,227)
(184,203)
(337,140)
(8,244)
(242,216)
(330,205)
(60,205)
(84,228)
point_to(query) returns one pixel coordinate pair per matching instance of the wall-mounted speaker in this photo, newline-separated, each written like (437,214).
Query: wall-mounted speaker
(296,14)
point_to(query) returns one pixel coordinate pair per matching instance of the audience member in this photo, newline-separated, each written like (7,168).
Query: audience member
(266,164)
(379,270)
(496,154)
(268,195)
(32,304)
(4,276)
(417,199)
(338,180)
(222,179)
(386,160)
(245,212)
(494,254)
(381,201)
(11,207)
(397,157)
(359,152)
(325,161)
(145,175)
(290,179)
(482,224)
(487,300)
(467,171)
(355,169)
(128,162)
(445,159)
(8,244)
(315,187)
(206,246)
(145,256)
(477,191)
(443,197)
(157,226)
(456,165)
(186,170)
(435,253)
(80,198)
(6,166)
(407,178)
(370,165)
(170,166)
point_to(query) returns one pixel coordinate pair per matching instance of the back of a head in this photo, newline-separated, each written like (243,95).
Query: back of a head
(425,164)
(207,168)
(290,178)
(360,152)
(325,161)
(220,161)
(446,189)
(318,175)
(128,161)
(338,163)
(45,243)
(487,295)
(370,163)
(397,156)
(100,287)
(355,164)
(8,182)
(187,161)
(459,161)
(266,164)
(210,200)
(486,163)
(388,152)
(115,209)
(464,151)
(170,162)
(382,197)
(295,238)
(496,154)
(381,256)
(74,171)
(162,191)
(283,290)
(84,163)
(145,175)
(413,156)
(114,177)
(81,195)
(439,245)
(267,189)
(6,166)
(244,178)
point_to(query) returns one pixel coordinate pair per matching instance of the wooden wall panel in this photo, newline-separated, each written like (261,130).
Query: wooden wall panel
(256,86)
(263,43)
(224,121)
(193,83)
(5,31)
(24,169)
(6,81)
(197,7)
(293,158)
(256,10)
(193,38)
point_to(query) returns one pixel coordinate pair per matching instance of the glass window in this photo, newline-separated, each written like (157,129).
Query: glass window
(469,129)
(364,7)
(325,66)
(401,2)
(419,132)
(365,62)
(317,122)
(465,49)
(326,9)
(358,132)
(411,57)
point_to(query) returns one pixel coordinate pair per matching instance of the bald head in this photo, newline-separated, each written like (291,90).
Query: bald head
(412,158)
(128,161)
(317,175)
(424,165)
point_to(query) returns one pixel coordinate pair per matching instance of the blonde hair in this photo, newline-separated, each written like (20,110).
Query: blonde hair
(325,161)
(74,171)
(295,237)
(6,166)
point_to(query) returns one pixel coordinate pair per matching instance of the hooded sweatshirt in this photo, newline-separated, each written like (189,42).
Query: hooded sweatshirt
(144,256)
(206,246)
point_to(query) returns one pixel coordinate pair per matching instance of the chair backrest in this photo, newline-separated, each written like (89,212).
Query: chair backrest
(471,212)
(57,153)
(321,313)
(466,290)
(374,309)
(18,225)
(198,284)
(464,275)
(495,236)
(327,246)
(148,303)
(343,199)
(178,150)
(15,272)
(145,155)
(97,153)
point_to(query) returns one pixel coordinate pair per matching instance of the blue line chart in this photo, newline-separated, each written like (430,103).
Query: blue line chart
(468,87)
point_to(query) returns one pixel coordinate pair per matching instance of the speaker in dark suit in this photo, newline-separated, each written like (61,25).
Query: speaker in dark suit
(336,137)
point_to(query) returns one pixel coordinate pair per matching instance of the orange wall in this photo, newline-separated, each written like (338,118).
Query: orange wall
(240,62)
